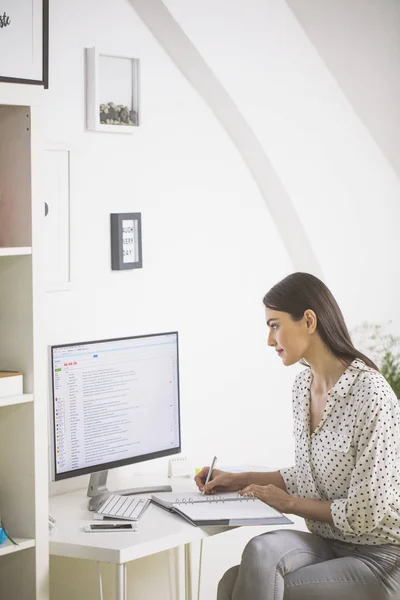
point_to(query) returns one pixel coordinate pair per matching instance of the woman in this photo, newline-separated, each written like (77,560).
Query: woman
(346,481)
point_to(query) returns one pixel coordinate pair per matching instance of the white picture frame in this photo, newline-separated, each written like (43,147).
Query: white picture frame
(57,216)
(24,41)
(112,87)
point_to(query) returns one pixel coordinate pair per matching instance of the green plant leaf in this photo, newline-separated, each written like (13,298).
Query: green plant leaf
(383,348)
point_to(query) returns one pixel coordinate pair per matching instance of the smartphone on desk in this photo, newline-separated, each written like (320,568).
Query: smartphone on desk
(110,527)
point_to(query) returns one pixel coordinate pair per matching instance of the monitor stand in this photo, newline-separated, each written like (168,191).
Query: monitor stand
(98,492)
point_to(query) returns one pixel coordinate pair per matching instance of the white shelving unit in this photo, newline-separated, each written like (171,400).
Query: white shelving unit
(15,251)
(17,399)
(9,548)
(23,418)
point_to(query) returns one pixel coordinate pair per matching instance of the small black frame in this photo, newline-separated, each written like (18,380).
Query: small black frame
(125,240)
(45,54)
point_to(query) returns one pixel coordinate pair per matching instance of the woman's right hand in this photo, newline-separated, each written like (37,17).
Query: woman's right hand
(221,481)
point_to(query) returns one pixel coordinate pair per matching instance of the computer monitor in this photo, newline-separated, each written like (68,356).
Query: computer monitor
(114,402)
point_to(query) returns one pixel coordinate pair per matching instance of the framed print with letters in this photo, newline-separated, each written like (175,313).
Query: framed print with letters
(126,241)
(24,41)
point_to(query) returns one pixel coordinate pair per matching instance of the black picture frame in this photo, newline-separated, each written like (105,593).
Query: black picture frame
(44,79)
(126,241)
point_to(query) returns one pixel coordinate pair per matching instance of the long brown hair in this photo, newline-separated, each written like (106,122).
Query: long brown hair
(301,291)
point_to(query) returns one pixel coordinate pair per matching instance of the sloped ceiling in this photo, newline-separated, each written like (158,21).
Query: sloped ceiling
(359,40)
(309,151)
(194,67)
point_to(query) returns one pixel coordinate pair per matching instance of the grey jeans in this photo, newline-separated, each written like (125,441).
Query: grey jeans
(295,565)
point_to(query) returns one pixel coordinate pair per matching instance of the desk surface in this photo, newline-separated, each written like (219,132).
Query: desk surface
(158,531)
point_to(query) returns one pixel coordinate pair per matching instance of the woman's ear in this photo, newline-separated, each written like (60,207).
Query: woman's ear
(311,321)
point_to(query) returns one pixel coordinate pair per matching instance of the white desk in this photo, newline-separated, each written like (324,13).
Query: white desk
(158,531)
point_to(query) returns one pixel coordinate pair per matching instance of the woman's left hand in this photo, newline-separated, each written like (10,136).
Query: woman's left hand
(271,495)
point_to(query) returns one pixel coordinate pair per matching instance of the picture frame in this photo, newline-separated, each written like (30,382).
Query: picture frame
(56,231)
(126,241)
(24,42)
(112,92)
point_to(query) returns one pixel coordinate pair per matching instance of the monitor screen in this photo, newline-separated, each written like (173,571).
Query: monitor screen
(114,403)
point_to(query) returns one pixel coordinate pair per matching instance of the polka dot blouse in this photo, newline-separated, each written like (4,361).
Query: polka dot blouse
(352,458)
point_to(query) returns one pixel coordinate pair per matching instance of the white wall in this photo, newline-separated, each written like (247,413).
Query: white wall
(360,43)
(210,248)
(207,237)
(343,188)
(207,247)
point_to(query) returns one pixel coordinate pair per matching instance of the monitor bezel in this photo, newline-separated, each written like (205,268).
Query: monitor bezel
(118,463)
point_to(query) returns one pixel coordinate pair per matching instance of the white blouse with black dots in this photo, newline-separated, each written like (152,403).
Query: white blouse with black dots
(352,458)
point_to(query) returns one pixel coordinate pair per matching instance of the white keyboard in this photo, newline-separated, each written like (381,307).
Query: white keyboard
(128,508)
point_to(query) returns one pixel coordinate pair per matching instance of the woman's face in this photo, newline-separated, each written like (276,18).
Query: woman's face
(291,339)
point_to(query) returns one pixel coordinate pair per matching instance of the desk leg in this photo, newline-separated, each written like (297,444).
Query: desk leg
(177,573)
(120,588)
(188,572)
(173,569)
(193,559)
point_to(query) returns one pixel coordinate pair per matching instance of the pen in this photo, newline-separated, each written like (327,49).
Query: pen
(210,470)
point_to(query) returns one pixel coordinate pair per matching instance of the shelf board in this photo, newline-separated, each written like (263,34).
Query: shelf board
(23,543)
(17,399)
(21,251)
